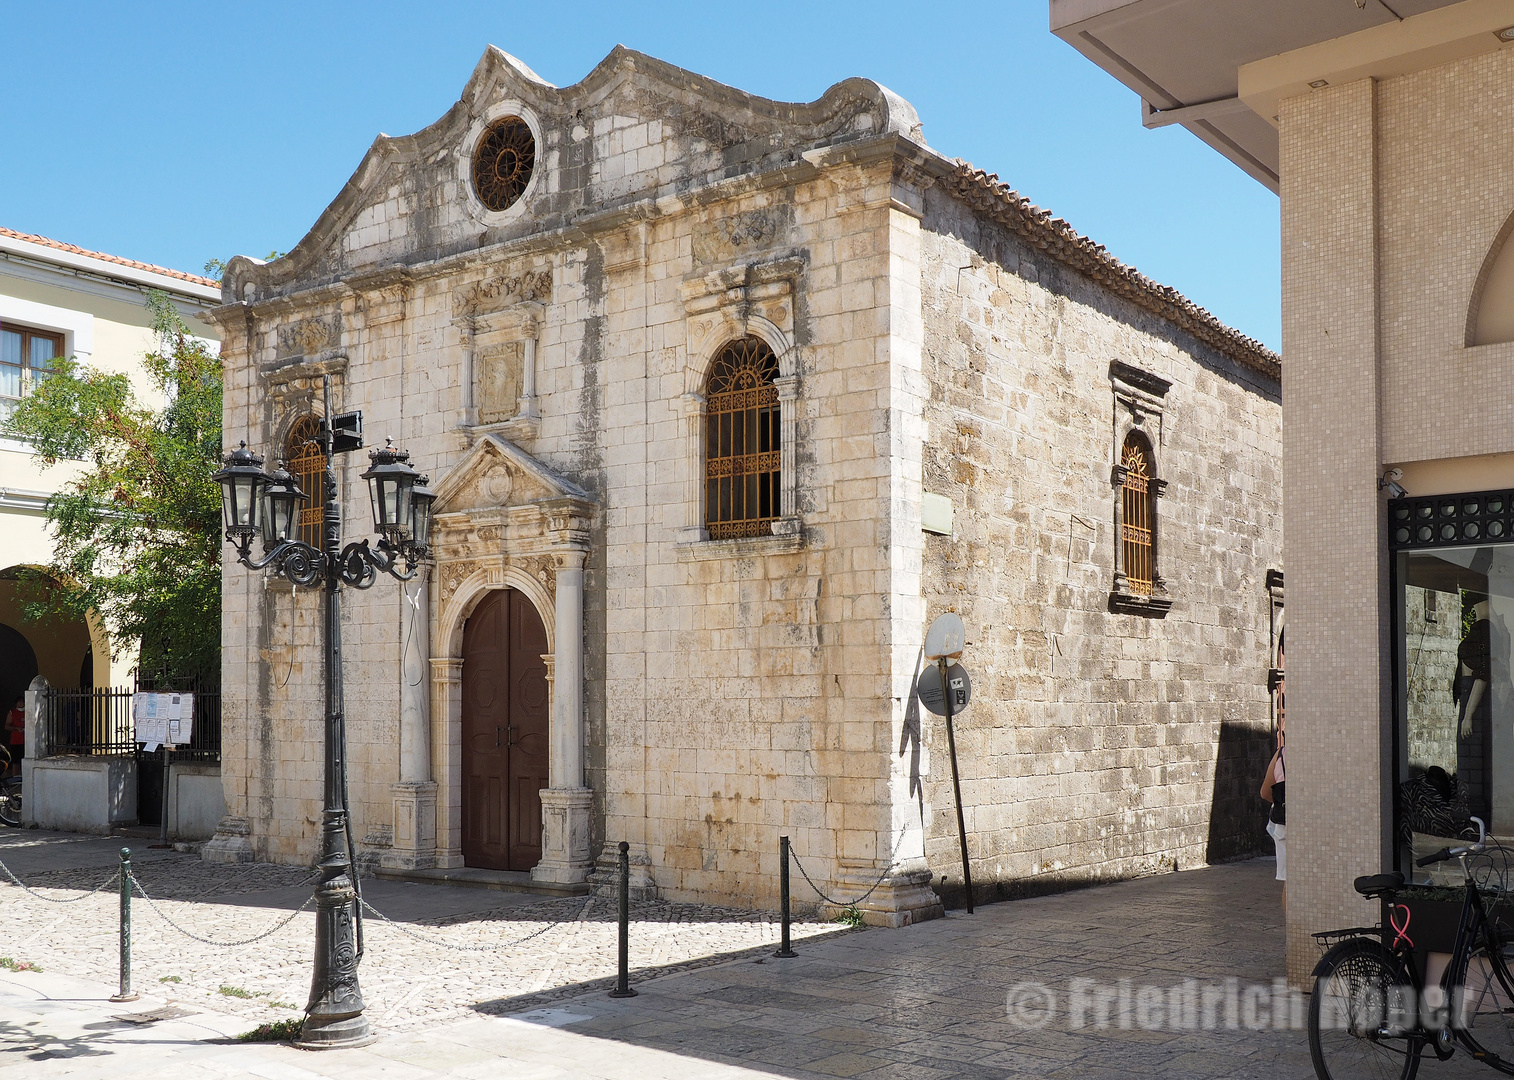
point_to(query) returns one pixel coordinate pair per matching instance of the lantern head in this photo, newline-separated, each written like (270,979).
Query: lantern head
(242,480)
(421,499)
(282,498)
(390,482)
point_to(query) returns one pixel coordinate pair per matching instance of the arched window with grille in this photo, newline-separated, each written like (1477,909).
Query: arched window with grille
(302,455)
(1138,516)
(743,449)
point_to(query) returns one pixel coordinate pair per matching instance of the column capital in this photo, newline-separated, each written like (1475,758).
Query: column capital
(447,668)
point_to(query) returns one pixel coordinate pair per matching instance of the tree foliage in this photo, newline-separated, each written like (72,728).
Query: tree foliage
(137,533)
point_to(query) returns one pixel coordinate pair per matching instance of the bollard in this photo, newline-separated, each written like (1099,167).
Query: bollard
(623,976)
(784,949)
(125,992)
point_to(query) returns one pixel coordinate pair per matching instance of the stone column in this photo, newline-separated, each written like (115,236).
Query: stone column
(414,846)
(469,387)
(565,805)
(693,419)
(528,408)
(788,462)
(446,724)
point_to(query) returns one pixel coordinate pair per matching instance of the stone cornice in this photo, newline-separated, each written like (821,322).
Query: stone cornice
(982,192)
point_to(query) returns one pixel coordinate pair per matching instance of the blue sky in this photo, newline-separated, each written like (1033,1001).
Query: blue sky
(182,132)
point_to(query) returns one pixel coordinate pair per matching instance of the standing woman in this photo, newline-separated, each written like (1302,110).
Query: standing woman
(15,732)
(1274,791)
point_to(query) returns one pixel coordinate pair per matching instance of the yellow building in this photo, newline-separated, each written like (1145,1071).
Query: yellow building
(60,300)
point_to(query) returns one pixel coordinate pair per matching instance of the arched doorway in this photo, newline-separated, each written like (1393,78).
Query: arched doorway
(18,665)
(504,732)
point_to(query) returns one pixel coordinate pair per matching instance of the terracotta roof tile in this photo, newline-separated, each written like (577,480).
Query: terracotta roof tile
(32,238)
(988,195)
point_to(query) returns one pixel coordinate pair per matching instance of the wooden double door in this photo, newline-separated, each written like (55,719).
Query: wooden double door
(505,732)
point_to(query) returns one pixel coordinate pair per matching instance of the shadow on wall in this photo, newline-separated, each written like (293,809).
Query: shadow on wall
(1238,816)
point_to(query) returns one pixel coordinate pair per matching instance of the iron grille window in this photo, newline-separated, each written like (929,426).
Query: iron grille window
(308,467)
(742,447)
(1138,518)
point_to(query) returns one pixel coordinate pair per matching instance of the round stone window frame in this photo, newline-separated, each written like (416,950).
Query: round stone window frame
(491,116)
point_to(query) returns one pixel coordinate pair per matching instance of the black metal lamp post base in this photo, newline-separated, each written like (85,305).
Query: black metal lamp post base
(345,1034)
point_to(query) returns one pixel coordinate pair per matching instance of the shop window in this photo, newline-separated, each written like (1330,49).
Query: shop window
(1455,744)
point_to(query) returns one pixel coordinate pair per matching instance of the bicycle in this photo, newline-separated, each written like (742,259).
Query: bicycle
(1371,1015)
(10,792)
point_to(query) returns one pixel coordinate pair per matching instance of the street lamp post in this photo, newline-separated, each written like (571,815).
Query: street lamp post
(256,503)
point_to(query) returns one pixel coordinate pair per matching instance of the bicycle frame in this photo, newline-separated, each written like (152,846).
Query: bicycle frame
(1474,926)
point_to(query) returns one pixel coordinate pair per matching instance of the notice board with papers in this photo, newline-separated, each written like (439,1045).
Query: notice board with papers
(162,719)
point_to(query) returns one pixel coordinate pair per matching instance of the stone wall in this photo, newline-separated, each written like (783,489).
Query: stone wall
(1099,744)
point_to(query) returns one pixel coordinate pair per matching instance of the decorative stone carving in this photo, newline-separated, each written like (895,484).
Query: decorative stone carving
(730,235)
(306,337)
(501,369)
(541,567)
(495,293)
(452,575)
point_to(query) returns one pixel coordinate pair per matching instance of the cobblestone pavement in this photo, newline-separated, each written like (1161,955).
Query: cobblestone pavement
(410,977)
(925,1002)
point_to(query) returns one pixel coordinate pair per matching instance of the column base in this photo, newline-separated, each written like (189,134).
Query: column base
(904,898)
(414,843)
(232,842)
(605,880)
(564,836)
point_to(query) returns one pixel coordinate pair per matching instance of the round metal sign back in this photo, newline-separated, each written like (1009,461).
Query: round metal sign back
(946,637)
(957,684)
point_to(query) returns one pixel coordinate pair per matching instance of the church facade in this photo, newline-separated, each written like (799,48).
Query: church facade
(724,400)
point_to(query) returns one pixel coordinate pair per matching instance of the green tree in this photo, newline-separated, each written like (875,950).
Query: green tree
(137,535)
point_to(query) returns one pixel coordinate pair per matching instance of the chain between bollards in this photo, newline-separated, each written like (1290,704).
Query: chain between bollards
(623,974)
(125,993)
(785,949)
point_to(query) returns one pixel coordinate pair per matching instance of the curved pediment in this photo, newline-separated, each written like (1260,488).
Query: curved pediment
(496,474)
(409,201)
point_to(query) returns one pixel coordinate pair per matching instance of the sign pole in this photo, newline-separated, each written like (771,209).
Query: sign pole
(951,742)
(163,823)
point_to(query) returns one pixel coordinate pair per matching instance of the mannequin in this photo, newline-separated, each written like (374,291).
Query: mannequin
(1474,747)
(1474,661)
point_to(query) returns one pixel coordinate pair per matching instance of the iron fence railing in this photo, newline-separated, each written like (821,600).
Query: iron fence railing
(99,722)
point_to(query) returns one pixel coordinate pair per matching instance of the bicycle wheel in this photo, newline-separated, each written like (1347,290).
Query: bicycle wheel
(10,803)
(1484,1003)
(1362,1015)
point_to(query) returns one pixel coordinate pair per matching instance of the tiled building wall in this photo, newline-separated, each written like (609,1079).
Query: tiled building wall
(1338,702)
(1445,190)
(1099,745)
(1393,194)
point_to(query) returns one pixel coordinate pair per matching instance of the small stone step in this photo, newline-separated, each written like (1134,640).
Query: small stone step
(479,878)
